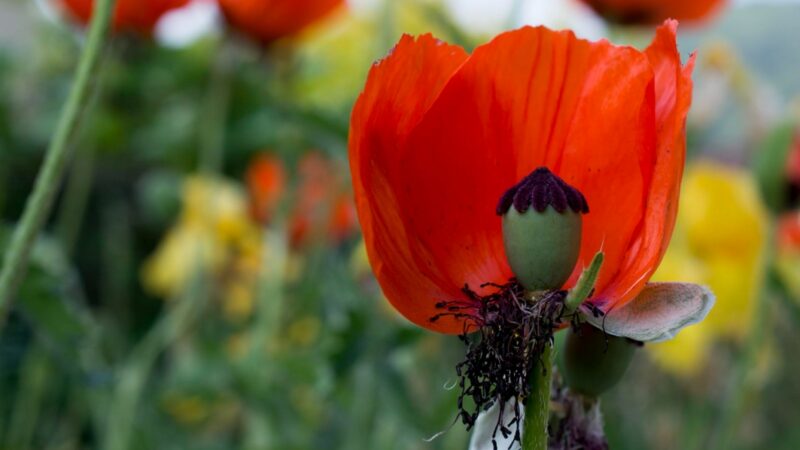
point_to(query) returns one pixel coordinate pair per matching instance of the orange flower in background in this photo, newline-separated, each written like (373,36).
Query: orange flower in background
(787,261)
(653,12)
(139,16)
(788,235)
(268,20)
(323,205)
(266,183)
(438,135)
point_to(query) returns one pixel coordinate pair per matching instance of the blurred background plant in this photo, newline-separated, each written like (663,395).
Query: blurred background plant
(201,282)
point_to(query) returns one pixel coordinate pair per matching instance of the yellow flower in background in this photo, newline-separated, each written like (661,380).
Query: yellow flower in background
(336,60)
(337,56)
(187,410)
(720,240)
(213,234)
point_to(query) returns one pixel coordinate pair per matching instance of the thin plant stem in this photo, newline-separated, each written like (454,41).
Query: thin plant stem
(29,399)
(133,374)
(215,111)
(537,408)
(40,201)
(76,196)
(741,385)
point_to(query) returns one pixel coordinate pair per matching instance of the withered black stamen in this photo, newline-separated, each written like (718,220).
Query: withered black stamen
(540,189)
(511,333)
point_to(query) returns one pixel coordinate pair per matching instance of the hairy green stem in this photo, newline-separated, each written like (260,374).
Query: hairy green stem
(537,408)
(40,201)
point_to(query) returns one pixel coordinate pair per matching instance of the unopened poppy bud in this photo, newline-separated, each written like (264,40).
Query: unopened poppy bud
(594,361)
(542,229)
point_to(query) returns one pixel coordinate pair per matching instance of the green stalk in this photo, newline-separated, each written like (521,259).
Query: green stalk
(28,403)
(76,197)
(741,384)
(537,408)
(40,201)
(214,111)
(132,376)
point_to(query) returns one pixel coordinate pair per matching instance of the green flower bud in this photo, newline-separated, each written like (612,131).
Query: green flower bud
(593,361)
(542,229)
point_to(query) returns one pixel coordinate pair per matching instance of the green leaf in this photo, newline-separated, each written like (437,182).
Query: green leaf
(583,288)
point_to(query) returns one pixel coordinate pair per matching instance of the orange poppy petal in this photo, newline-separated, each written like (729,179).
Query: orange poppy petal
(673,90)
(609,152)
(530,97)
(399,90)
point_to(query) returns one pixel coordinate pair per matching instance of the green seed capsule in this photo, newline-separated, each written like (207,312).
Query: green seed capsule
(542,229)
(595,362)
(542,247)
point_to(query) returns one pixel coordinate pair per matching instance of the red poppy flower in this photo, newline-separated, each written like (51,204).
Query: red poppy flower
(139,16)
(653,12)
(322,207)
(266,182)
(438,135)
(788,234)
(269,20)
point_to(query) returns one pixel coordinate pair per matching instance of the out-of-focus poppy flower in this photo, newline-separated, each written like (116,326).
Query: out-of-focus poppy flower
(787,262)
(323,207)
(139,16)
(322,203)
(788,235)
(214,234)
(266,183)
(438,136)
(268,20)
(720,240)
(653,12)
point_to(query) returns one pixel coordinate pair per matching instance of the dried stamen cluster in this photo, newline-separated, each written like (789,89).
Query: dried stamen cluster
(512,332)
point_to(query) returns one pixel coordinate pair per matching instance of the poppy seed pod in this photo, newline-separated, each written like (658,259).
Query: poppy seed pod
(542,229)
(593,361)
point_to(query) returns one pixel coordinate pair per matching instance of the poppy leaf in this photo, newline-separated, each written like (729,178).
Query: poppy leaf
(583,288)
(658,313)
